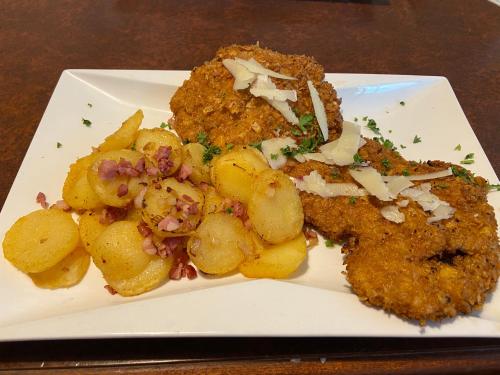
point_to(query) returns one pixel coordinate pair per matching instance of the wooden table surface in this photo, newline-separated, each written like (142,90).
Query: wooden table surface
(459,39)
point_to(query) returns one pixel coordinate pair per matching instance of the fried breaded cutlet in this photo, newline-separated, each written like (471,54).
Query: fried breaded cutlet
(414,269)
(206,102)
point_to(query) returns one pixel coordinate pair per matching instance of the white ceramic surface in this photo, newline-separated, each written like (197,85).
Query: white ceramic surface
(315,302)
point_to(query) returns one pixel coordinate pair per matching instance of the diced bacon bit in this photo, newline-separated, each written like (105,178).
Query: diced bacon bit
(169,224)
(62,205)
(191,272)
(163,152)
(311,237)
(187,198)
(125,168)
(140,165)
(110,289)
(148,246)
(108,169)
(122,190)
(42,200)
(175,272)
(169,246)
(139,199)
(143,229)
(164,165)
(181,268)
(111,214)
(152,171)
(184,172)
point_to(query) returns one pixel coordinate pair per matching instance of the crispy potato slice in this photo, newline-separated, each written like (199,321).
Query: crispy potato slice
(193,157)
(274,208)
(77,191)
(90,228)
(278,261)
(219,244)
(125,136)
(165,201)
(118,252)
(233,173)
(68,272)
(150,140)
(39,240)
(107,190)
(151,277)
(213,202)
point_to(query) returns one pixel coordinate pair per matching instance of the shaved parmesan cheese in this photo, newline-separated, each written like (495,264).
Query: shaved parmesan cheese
(429,202)
(371,181)
(315,184)
(392,213)
(271,148)
(426,176)
(242,76)
(403,203)
(444,211)
(275,94)
(319,110)
(397,185)
(315,156)
(342,150)
(254,67)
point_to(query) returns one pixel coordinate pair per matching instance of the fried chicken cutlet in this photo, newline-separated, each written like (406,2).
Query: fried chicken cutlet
(413,269)
(207,103)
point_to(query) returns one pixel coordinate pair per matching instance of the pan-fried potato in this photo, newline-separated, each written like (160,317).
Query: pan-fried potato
(233,173)
(151,277)
(193,157)
(125,136)
(219,244)
(39,240)
(118,252)
(277,261)
(165,201)
(68,272)
(77,191)
(107,189)
(90,228)
(213,202)
(150,140)
(274,208)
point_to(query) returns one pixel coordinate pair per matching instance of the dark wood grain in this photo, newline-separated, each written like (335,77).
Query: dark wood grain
(39,39)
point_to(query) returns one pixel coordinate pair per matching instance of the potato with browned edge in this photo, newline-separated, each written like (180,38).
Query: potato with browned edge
(193,157)
(125,136)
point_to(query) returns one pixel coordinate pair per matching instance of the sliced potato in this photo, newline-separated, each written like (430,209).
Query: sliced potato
(213,202)
(125,136)
(233,173)
(118,252)
(150,140)
(68,272)
(278,261)
(219,244)
(39,240)
(193,157)
(162,202)
(151,277)
(134,214)
(107,190)
(90,228)
(77,191)
(275,208)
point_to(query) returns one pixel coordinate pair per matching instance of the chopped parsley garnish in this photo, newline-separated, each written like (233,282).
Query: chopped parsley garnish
(59,144)
(229,210)
(132,147)
(352,200)
(385,142)
(288,151)
(458,147)
(405,172)
(274,156)
(402,103)
(386,163)
(257,145)
(210,152)
(202,138)
(86,122)
(469,159)
(402,146)
(417,139)
(90,105)
(305,122)
(164,125)
(365,118)
(355,119)
(462,173)
(494,187)
(390,130)
(329,243)
(358,160)
(296,132)
(372,125)
(229,146)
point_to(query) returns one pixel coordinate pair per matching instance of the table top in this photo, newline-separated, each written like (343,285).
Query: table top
(456,39)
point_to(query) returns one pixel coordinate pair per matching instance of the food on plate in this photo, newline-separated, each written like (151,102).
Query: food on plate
(125,136)
(193,160)
(90,228)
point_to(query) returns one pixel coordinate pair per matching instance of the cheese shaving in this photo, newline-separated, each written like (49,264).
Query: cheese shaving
(342,150)
(429,202)
(397,185)
(254,67)
(315,184)
(372,181)
(242,76)
(319,110)
(275,94)
(271,148)
(426,176)
(393,214)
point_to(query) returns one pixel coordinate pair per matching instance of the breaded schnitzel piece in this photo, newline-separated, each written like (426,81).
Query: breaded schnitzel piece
(414,269)
(206,102)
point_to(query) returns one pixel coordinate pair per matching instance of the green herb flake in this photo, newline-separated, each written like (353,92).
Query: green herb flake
(202,138)
(469,159)
(372,125)
(355,119)
(229,210)
(132,147)
(417,139)
(210,152)
(329,243)
(390,131)
(405,172)
(402,146)
(352,200)
(164,125)
(229,146)
(462,173)
(305,122)
(257,145)
(358,159)
(458,147)
(296,132)
(274,156)
(494,187)
(58,144)
(365,118)
(86,122)
(386,163)
(90,105)
(402,103)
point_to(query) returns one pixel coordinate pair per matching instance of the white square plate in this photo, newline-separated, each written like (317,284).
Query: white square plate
(316,302)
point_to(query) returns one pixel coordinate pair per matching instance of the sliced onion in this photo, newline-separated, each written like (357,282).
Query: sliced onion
(315,184)
(426,176)
(273,146)
(319,110)
(371,181)
(254,67)
(393,214)
(397,185)
(242,76)
(342,150)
